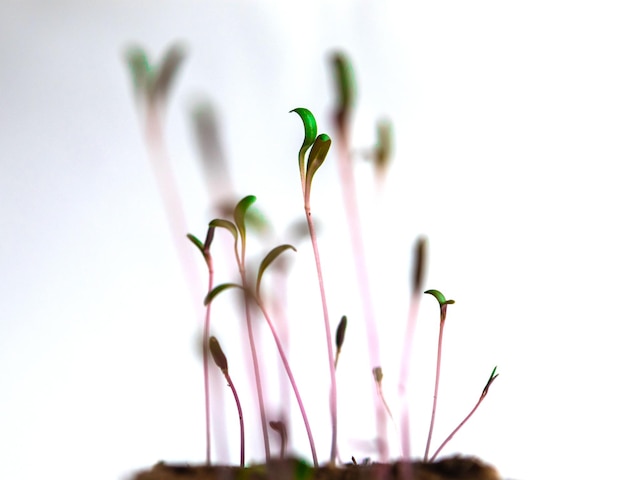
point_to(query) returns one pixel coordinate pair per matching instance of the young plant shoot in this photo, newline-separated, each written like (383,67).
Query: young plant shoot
(222,362)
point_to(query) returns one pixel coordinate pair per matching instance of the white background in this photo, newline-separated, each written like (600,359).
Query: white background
(510,121)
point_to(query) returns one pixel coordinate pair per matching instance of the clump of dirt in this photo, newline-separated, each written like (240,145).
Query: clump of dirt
(450,468)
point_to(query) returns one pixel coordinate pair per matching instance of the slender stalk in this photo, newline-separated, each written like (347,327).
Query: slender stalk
(442,321)
(205,362)
(484,393)
(242,455)
(329,345)
(358,249)
(222,362)
(417,281)
(170,196)
(255,360)
(292,379)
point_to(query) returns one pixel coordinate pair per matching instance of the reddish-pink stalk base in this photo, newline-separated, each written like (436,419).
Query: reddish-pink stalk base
(329,344)
(432,418)
(292,379)
(242,450)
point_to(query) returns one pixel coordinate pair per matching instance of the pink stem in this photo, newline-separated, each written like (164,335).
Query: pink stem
(358,249)
(205,363)
(241,430)
(405,363)
(292,379)
(329,344)
(432,418)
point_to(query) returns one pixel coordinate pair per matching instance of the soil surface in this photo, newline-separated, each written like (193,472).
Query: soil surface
(451,468)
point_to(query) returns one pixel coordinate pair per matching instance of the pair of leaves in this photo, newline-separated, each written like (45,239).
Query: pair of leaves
(319,145)
(265,263)
(154,81)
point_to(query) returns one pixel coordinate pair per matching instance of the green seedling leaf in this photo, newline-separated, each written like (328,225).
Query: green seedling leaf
(440,298)
(169,67)
(239,214)
(344,82)
(269,258)
(218,354)
(219,289)
(317,155)
(492,378)
(227,224)
(196,242)
(341,332)
(419,265)
(310,126)
(140,68)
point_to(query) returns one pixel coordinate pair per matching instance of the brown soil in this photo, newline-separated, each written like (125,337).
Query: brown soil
(451,468)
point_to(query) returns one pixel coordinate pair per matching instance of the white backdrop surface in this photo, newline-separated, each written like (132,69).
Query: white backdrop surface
(510,128)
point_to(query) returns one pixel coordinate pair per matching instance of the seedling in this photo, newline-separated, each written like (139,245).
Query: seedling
(152,85)
(222,362)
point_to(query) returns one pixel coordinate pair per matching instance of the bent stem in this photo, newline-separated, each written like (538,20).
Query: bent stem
(493,376)
(292,379)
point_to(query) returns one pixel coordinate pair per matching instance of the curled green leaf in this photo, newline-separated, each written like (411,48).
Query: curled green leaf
(218,354)
(440,298)
(310,126)
(227,224)
(196,242)
(219,289)
(240,213)
(317,155)
(269,258)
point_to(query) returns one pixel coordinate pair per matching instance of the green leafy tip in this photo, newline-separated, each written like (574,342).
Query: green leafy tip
(240,213)
(440,298)
(196,242)
(492,378)
(344,80)
(310,126)
(218,354)
(317,155)
(217,290)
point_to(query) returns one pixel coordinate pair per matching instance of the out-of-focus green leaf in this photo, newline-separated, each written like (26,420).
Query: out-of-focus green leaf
(344,81)
(269,258)
(227,224)
(140,68)
(168,68)
(239,214)
(219,289)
